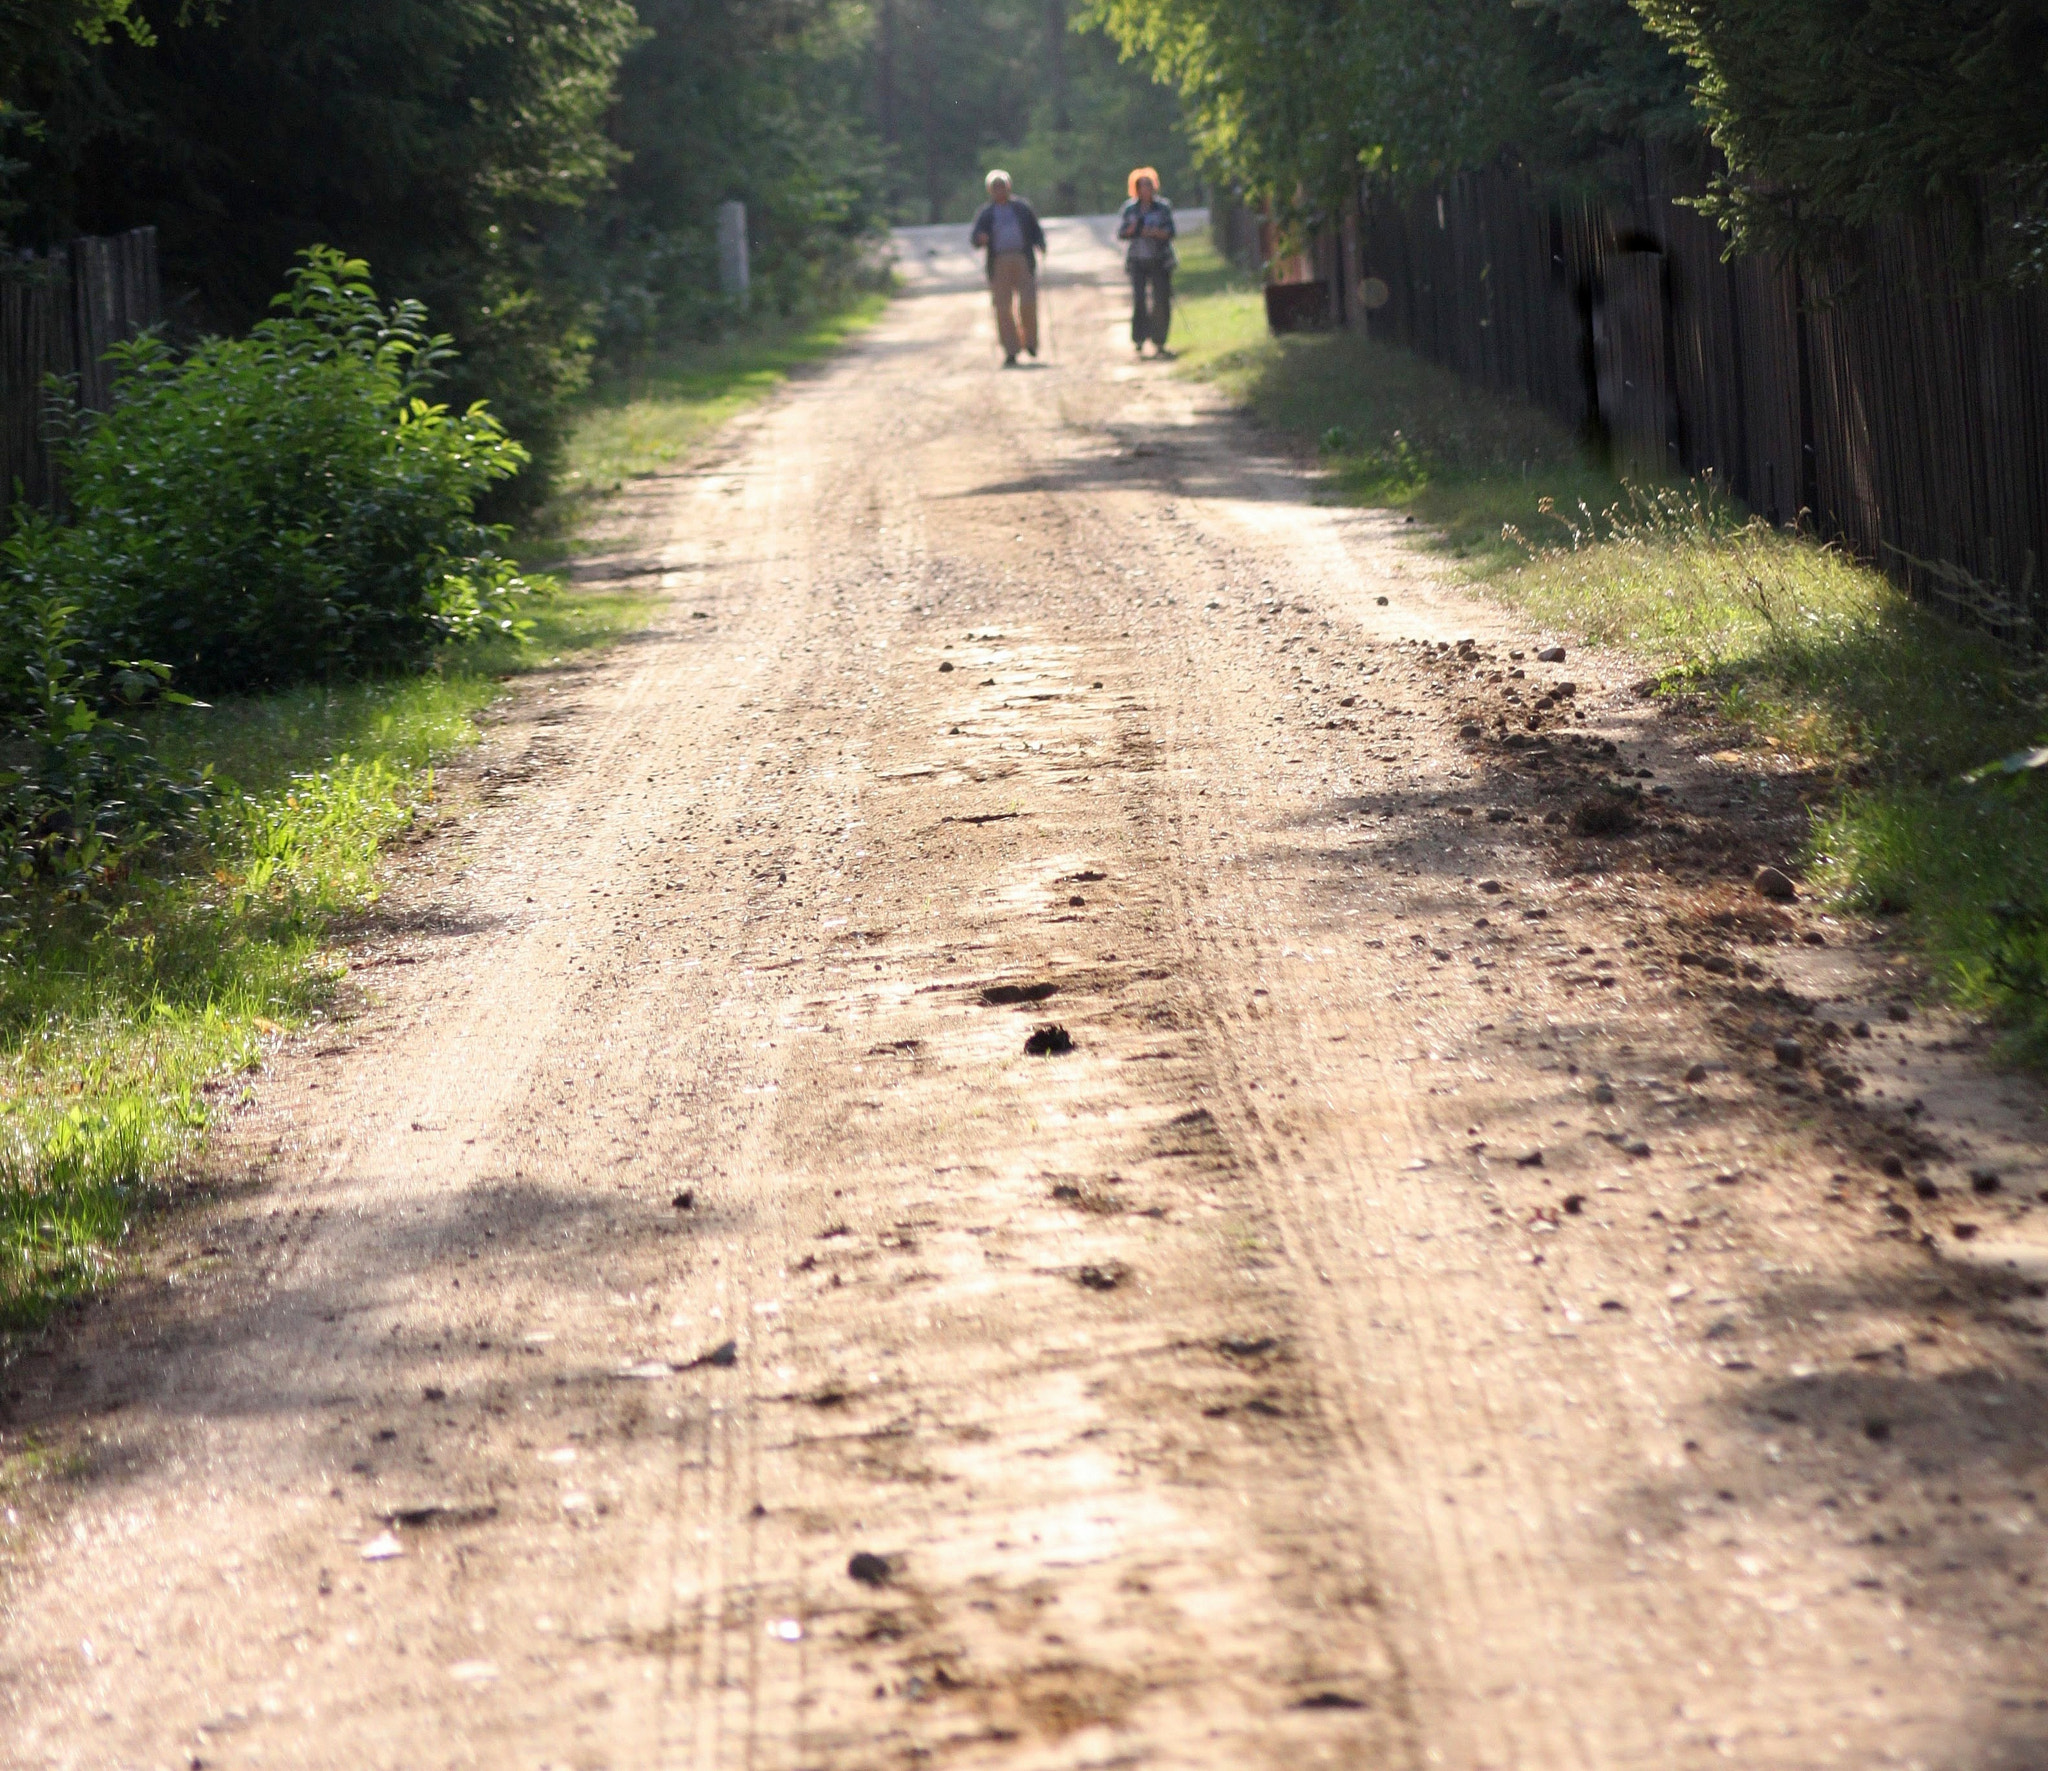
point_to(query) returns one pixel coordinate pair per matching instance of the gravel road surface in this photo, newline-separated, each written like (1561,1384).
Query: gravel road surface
(1077,1117)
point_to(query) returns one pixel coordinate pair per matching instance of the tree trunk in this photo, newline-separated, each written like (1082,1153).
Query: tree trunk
(885,74)
(926,64)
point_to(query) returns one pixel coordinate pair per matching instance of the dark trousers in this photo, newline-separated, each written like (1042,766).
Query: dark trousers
(1151,302)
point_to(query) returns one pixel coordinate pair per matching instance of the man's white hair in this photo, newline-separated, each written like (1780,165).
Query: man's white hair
(998,176)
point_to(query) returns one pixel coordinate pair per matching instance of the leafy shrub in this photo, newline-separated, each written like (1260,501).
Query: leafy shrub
(277,508)
(81,792)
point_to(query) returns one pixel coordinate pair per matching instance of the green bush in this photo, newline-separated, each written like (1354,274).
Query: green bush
(273,509)
(82,793)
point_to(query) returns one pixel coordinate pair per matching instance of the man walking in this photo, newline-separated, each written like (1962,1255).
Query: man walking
(1147,223)
(1009,232)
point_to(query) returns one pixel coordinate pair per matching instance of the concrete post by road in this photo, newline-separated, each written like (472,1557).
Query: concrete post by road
(733,276)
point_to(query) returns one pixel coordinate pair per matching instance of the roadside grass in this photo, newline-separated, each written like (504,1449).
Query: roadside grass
(124,1024)
(1809,654)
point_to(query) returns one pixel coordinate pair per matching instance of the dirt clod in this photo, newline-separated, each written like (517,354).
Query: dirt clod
(1000,995)
(1771,883)
(869,1569)
(426,1514)
(1050,1041)
(1602,814)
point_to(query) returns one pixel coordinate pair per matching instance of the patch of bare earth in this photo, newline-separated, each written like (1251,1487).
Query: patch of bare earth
(1415,1310)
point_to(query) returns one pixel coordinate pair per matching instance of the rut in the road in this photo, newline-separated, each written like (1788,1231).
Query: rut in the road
(1407,1322)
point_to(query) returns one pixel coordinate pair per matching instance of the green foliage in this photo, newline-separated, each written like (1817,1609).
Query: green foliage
(950,80)
(450,142)
(2016,960)
(1264,89)
(542,174)
(1293,100)
(958,86)
(124,1022)
(277,507)
(724,99)
(1624,83)
(69,1180)
(1390,428)
(82,795)
(1832,116)
(1085,133)
(1825,661)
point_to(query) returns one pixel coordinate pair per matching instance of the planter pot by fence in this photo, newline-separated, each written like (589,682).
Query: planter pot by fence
(1298,307)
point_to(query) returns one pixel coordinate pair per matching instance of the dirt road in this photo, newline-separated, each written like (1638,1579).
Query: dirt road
(1464,1299)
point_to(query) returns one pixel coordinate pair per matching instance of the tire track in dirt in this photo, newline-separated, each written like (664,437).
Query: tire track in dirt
(793,1372)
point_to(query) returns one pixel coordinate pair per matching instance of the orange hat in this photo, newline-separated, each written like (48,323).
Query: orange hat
(1150,172)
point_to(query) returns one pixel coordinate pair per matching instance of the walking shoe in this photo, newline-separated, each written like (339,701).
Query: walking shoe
(1010,362)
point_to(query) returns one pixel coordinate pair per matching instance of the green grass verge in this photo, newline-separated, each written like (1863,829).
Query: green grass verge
(1809,652)
(123,1025)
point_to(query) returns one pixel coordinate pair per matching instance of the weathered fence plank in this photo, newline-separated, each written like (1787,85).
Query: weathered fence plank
(1898,404)
(59,316)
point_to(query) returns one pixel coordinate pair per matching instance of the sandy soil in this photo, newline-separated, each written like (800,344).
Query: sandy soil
(1429,1317)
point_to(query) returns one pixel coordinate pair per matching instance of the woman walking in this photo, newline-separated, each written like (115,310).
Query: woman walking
(1147,223)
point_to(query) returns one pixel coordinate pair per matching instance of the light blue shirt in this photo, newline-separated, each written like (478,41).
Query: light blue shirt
(1006,232)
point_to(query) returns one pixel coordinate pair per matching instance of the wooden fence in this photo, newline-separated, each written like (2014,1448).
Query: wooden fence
(1897,403)
(58,316)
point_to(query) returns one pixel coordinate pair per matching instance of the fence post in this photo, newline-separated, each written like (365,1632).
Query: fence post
(733,277)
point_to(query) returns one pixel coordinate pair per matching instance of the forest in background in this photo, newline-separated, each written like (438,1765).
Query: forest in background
(1812,118)
(543,174)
